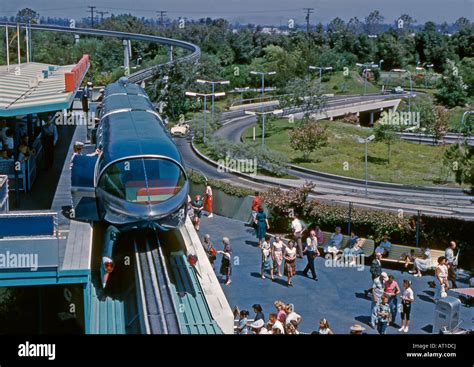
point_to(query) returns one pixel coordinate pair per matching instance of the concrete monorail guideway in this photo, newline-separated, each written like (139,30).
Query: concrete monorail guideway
(139,76)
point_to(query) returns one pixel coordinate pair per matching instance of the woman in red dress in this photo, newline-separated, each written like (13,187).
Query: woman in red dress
(208,200)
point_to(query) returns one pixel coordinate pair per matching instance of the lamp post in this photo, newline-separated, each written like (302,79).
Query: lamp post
(366,142)
(428,68)
(263,113)
(262,74)
(205,95)
(320,68)
(367,67)
(213,83)
(241,91)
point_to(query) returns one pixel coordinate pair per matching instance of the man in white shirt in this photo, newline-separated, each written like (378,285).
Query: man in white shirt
(49,138)
(297,228)
(312,252)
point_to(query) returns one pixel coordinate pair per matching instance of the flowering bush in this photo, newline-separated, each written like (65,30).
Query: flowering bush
(308,138)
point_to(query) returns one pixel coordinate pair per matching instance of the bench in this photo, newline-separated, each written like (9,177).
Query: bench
(397,251)
(367,245)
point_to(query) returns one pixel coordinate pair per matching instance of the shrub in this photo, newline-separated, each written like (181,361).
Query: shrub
(351,118)
(225,187)
(308,138)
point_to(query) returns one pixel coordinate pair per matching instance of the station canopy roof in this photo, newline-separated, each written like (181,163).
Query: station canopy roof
(34,88)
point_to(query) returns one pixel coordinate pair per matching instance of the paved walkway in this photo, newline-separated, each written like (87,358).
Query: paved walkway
(44,188)
(337,296)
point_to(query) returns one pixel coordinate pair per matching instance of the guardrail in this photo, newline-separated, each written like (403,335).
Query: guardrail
(73,78)
(28,224)
(138,76)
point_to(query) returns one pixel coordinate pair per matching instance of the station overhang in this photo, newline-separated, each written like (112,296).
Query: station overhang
(33,88)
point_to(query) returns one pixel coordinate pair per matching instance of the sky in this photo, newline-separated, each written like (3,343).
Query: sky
(254,11)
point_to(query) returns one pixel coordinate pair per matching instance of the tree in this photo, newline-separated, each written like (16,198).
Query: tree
(433,119)
(170,91)
(308,138)
(373,21)
(27,15)
(440,128)
(433,47)
(452,91)
(466,70)
(406,23)
(305,95)
(386,134)
(459,158)
(462,23)
(355,25)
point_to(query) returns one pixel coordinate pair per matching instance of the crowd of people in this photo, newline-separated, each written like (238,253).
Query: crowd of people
(283,321)
(279,257)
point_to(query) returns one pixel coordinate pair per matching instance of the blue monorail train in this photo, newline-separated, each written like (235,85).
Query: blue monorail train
(137,179)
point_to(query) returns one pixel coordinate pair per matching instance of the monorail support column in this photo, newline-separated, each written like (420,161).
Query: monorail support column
(126,57)
(77,38)
(170,53)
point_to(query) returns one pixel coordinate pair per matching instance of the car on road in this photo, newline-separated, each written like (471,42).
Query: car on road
(181,129)
(397,90)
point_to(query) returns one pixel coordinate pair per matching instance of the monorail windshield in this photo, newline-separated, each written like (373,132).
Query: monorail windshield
(143,180)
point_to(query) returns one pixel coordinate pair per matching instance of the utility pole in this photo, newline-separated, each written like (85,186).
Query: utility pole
(162,15)
(92,9)
(308,12)
(102,13)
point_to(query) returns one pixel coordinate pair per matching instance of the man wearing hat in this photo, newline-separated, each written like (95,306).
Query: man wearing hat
(258,327)
(377,293)
(357,329)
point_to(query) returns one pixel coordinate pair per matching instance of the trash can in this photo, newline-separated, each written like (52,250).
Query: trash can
(446,314)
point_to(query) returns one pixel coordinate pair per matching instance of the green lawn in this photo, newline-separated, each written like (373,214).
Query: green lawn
(353,84)
(410,163)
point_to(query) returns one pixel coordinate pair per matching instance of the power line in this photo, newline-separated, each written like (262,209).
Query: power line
(102,13)
(92,9)
(308,12)
(162,14)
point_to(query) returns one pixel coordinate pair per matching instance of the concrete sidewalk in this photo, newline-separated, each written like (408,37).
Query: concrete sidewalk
(337,296)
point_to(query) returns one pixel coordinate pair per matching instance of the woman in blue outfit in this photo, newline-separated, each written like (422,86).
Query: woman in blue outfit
(267,261)
(262,225)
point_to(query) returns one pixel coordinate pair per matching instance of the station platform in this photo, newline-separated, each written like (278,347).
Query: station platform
(338,296)
(54,250)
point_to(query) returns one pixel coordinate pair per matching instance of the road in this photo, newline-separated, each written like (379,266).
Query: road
(440,201)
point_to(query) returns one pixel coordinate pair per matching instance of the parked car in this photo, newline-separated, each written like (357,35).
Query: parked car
(398,90)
